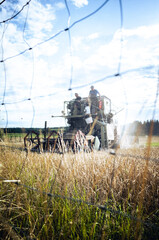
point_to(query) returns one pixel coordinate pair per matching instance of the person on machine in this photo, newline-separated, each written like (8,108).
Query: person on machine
(77,105)
(93,93)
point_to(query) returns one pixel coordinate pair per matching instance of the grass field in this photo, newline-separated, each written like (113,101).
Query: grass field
(91,195)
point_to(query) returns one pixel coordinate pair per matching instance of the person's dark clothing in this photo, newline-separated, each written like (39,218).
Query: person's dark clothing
(78,98)
(77,105)
(94,100)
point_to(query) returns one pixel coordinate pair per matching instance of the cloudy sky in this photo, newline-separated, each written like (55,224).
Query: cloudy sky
(103,40)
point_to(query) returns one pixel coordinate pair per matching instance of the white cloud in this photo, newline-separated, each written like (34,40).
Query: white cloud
(104,55)
(75,60)
(80,44)
(93,36)
(137,49)
(60,5)
(93,57)
(143,31)
(47,49)
(40,19)
(80,3)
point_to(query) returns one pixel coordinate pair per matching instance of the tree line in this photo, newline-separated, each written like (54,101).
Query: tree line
(134,128)
(144,128)
(26,130)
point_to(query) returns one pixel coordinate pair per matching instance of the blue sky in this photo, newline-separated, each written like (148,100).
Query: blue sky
(92,49)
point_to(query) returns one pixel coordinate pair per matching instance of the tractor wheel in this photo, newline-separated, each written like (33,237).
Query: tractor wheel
(54,143)
(32,141)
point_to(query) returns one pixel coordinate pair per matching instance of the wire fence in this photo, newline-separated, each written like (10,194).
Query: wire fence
(30,98)
(79,201)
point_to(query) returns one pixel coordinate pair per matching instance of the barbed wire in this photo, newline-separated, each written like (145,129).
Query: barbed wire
(104,207)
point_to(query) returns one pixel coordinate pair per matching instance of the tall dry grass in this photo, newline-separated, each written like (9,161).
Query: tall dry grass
(98,178)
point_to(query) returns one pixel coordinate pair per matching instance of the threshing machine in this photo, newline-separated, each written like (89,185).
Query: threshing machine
(90,125)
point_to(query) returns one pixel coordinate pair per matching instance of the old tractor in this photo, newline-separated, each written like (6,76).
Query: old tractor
(90,126)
